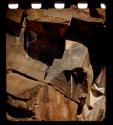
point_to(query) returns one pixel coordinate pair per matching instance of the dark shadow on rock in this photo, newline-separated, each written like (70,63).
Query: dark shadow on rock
(78,75)
(16,98)
(18,112)
(81,105)
(93,36)
(45,42)
(14,28)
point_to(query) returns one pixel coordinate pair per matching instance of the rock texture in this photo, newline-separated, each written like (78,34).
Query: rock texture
(56,74)
(64,89)
(14,21)
(55,16)
(95,106)
(39,101)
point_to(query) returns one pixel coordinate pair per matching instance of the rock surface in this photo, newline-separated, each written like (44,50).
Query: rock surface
(36,69)
(64,90)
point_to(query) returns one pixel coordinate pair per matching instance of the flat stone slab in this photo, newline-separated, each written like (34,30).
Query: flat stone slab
(17,84)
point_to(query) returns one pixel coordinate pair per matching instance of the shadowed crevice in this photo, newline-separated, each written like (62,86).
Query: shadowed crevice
(18,112)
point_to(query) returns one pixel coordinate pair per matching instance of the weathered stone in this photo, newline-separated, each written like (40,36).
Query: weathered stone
(38,98)
(14,15)
(14,21)
(23,92)
(20,86)
(95,105)
(69,61)
(97,113)
(55,16)
(28,66)
(54,92)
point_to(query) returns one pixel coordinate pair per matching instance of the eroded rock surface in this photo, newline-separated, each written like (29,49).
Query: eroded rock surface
(63,90)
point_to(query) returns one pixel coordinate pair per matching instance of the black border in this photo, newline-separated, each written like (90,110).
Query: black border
(2,61)
(108,55)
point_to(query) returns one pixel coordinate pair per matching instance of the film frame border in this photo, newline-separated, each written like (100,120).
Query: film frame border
(50,3)
(108,23)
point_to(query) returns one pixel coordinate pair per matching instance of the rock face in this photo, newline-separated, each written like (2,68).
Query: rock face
(68,64)
(44,41)
(14,21)
(58,76)
(95,106)
(40,101)
(49,75)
